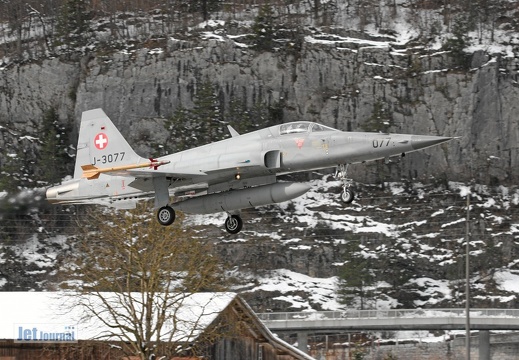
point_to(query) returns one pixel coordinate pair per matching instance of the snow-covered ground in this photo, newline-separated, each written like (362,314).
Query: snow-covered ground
(392,218)
(402,219)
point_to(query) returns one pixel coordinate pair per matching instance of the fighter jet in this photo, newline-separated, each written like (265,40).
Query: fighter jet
(225,176)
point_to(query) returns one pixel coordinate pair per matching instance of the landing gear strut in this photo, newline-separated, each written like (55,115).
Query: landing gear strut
(347,194)
(233,224)
(166,215)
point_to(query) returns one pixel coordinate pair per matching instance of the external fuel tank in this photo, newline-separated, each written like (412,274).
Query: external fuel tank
(243,198)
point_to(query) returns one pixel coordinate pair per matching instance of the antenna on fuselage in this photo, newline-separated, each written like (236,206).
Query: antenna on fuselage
(232,131)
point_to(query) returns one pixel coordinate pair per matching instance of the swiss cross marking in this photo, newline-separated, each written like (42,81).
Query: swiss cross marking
(300,142)
(101,141)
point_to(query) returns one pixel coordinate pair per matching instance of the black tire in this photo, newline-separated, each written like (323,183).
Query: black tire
(166,216)
(233,224)
(347,196)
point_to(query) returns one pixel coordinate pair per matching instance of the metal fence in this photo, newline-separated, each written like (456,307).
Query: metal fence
(386,314)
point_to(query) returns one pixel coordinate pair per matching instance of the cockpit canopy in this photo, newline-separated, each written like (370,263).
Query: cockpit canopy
(302,127)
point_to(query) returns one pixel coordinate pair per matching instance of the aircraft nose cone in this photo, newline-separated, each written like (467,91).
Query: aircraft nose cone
(424,141)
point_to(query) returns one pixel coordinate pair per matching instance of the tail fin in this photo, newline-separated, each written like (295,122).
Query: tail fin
(100,144)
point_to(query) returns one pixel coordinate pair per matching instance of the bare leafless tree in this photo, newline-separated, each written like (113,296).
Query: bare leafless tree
(133,277)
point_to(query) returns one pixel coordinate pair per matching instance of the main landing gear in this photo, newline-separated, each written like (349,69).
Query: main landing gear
(166,217)
(233,224)
(347,194)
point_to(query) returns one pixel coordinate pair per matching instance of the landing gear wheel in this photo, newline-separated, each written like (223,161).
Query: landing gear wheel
(166,215)
(347,196)
(233,224)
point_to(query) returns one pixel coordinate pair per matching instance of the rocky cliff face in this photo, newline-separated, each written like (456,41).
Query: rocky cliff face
(342,78)
(352,85)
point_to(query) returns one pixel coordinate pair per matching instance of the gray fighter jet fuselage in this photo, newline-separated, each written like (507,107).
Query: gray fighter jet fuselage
(225,176)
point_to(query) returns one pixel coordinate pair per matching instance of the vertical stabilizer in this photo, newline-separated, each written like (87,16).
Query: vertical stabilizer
(100,144)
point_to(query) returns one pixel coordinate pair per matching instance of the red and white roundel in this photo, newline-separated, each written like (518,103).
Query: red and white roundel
(101,141)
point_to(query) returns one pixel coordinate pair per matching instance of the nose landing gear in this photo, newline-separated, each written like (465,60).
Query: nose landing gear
(347,194)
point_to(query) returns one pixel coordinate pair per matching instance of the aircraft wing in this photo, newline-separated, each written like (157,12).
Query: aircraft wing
(135,170)
(192,184)
(174,175)
(223,173)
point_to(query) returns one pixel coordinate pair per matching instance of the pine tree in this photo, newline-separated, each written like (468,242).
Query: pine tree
(457,44)
(380,120)
(8,170)
(206,7)
(207,115)
(259,116)
(357,277)
(73,23)
(55,161)
(399,267)
(200,125)
(206,122)
(264,29)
